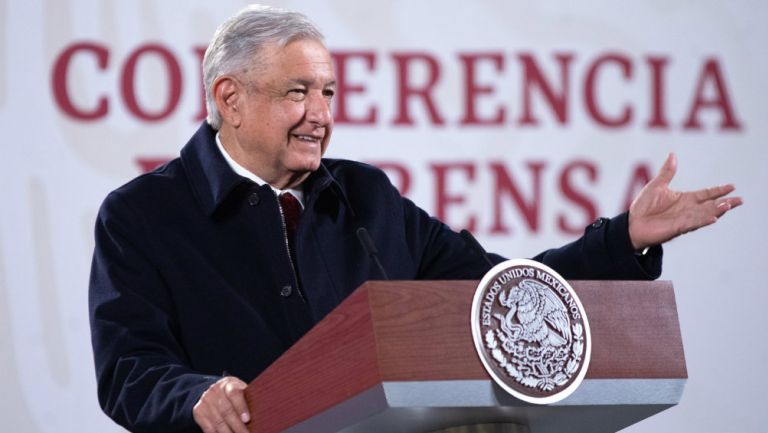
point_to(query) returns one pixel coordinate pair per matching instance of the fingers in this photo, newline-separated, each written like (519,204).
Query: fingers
(667,171)
(735,202)
(712,199)
(724,205)
(222,408)
(710,212)
(236,397)
(714,192)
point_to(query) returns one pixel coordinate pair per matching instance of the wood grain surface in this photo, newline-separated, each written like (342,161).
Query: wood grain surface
(420,330)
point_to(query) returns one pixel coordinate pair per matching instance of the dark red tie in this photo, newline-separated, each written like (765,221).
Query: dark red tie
(291,211)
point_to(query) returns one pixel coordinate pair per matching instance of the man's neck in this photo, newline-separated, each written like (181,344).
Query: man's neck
(240,169)
(246,166)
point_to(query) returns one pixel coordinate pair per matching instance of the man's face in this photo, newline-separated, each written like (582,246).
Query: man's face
(286,117)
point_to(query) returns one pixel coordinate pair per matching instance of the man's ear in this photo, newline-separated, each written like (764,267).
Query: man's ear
(227,93)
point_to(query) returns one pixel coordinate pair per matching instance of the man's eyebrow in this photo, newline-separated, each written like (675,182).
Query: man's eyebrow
(305,82)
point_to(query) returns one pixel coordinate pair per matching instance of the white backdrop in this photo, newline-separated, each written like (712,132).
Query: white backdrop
(611,88)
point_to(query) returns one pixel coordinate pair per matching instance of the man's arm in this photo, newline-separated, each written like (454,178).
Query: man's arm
(604,252)
(610,248)
(144,379)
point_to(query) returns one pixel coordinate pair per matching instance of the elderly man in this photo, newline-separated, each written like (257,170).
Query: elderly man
(206,270)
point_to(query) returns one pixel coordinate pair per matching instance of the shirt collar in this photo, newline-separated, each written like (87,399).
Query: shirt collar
(212,179)
(244,172)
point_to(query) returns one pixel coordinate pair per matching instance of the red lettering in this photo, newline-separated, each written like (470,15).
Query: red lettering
(590,93)
(415,83)
(344,88)
(533,77)
(474,90)
(443,199)
(505,186)
(658,119)
(406,90)
(61,75)
(576,197)
(147,164)
(202,111)
(711,73)
(128,81)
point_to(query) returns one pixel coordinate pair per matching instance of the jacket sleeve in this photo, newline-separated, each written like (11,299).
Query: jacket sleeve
(603,252)
(144,380)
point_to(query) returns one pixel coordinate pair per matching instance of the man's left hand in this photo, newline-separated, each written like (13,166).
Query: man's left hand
(659,214)
(222,407)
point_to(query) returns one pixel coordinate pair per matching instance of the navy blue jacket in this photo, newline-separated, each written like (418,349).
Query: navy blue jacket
(191,277)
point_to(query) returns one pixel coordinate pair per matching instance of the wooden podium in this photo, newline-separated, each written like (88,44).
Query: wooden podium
(398,357)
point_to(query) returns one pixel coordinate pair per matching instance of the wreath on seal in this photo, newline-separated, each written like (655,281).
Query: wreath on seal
(537,367)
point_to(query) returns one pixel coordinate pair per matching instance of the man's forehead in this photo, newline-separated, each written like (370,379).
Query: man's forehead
(302,54)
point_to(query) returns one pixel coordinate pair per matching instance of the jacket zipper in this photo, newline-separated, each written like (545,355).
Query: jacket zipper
(288,250)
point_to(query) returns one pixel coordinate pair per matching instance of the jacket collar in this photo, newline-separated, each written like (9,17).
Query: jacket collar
(322,180)
(212,179)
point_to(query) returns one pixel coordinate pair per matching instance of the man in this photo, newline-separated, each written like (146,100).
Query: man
(202,277)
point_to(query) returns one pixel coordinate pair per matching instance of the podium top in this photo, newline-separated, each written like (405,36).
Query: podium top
(419,331)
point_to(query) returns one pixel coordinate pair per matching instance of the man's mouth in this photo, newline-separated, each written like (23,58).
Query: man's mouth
(309,138)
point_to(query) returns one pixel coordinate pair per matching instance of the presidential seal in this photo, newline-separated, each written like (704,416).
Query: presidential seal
(530,331)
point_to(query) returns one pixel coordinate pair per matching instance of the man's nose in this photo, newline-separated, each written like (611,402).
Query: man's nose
(318,109)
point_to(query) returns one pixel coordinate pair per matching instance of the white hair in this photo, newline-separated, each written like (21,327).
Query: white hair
(238,45)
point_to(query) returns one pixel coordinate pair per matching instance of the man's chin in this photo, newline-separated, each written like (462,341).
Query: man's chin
(306,166)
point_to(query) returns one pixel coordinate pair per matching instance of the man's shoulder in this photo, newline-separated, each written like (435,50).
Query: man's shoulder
(176,175)
(365,186)
(155,185)
(165,175)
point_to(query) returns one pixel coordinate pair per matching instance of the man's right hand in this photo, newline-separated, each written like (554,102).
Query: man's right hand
(222,407)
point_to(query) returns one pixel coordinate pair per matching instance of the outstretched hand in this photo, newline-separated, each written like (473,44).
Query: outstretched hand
(659,214)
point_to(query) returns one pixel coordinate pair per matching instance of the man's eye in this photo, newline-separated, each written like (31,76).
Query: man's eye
(328,93)
(297,94)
